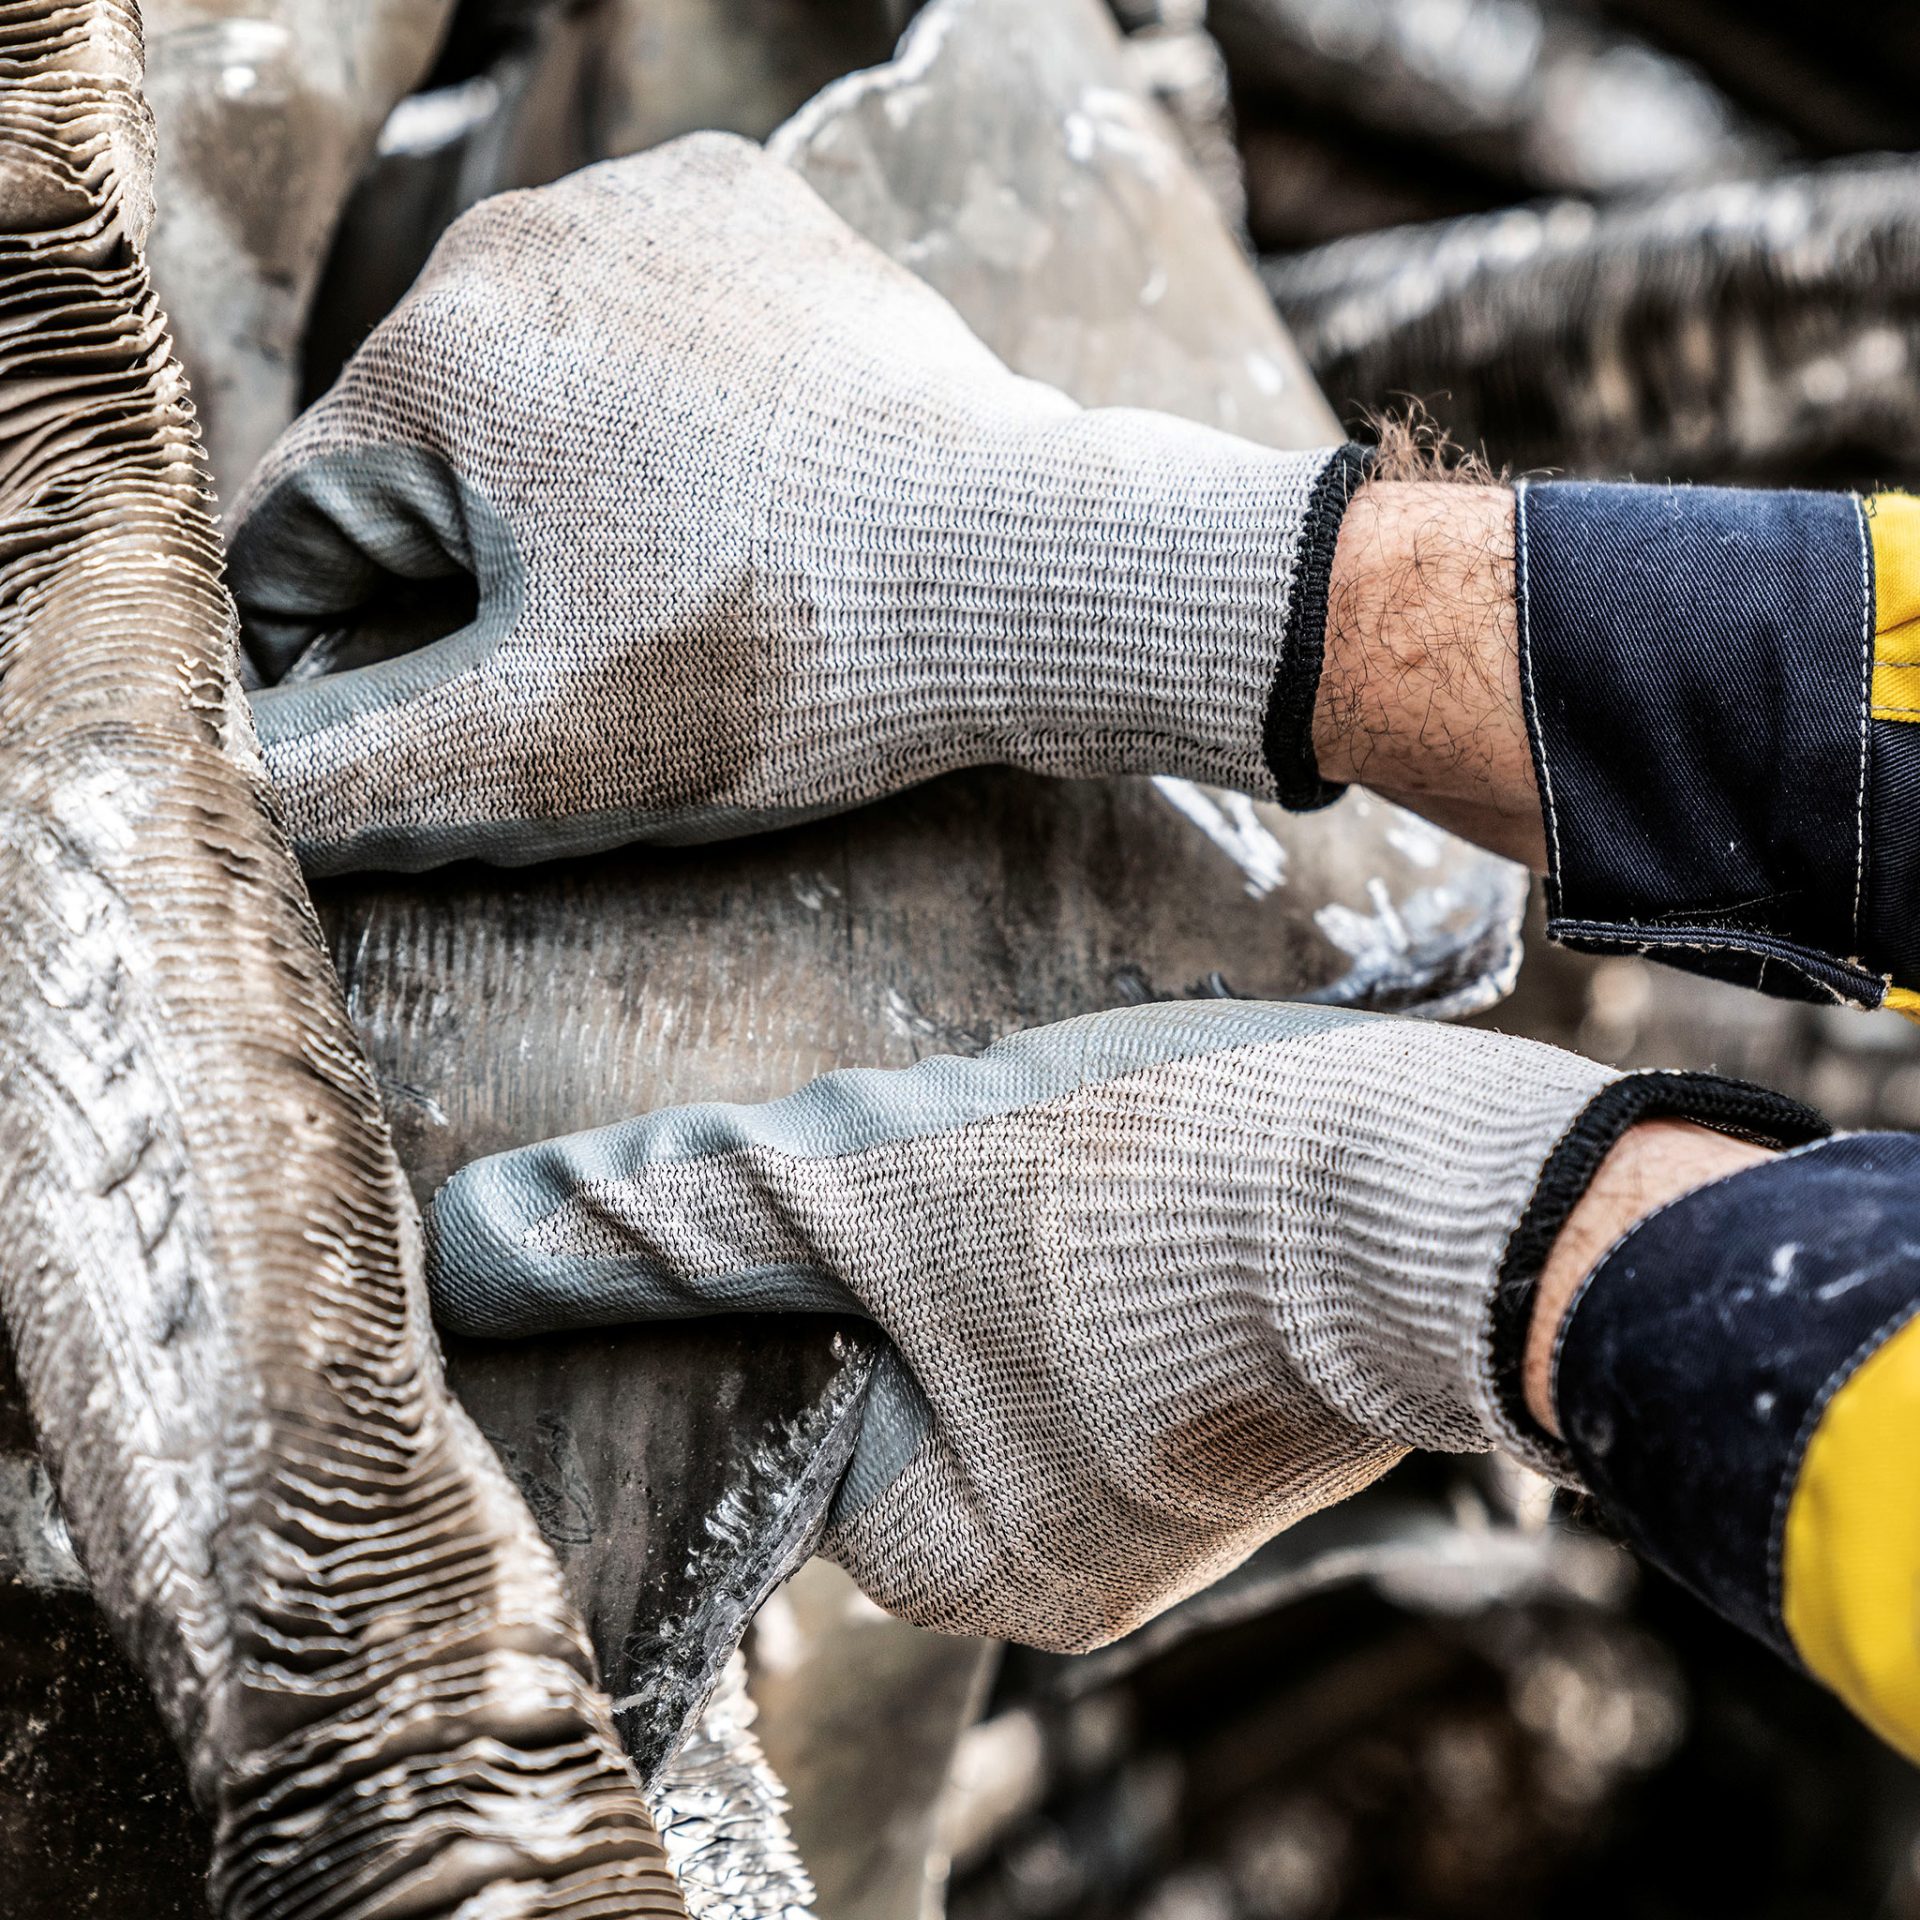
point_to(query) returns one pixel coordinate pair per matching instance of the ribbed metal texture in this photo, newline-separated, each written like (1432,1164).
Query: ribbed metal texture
(209,1262)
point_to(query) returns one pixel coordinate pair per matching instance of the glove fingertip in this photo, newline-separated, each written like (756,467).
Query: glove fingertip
(477,1285)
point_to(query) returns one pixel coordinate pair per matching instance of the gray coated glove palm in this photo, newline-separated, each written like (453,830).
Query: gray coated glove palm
(1158,1282)
(758,530)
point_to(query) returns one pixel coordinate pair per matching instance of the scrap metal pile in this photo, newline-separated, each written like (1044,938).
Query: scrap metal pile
(410,1654)
(212,1278)
(1619,238)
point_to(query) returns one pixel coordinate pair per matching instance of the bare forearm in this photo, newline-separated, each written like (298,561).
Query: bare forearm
(1420,694)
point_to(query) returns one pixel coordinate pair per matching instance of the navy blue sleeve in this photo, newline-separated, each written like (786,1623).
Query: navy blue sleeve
(1697,1361)
(1696,664)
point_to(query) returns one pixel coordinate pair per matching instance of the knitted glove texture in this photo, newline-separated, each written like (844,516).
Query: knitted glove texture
(750,528)
(1158,1282)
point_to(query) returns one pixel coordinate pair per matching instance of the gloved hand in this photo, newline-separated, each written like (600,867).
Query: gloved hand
(1157,1282)
(758,530)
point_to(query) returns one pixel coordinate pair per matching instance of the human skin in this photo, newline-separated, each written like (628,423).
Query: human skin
(1420,693)
(1650,1165)
(1420,698)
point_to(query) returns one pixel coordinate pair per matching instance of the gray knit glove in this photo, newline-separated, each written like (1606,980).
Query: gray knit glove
(1158,1282)
(759,530)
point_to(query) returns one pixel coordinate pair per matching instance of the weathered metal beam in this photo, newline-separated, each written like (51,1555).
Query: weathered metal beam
(1750,329)
(210,1267)
(268,112)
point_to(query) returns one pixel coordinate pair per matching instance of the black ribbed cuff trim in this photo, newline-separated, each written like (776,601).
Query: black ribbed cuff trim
(1732,1107)
(1288,742)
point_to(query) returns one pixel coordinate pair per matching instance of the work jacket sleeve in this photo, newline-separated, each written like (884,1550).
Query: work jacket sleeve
(1739,1386)
(1722,693)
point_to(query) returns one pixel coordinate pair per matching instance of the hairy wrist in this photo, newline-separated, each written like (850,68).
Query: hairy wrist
(1420,693)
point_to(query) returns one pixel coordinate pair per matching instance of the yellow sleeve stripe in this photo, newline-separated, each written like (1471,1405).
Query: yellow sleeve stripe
(1894,522)
(1850,1566)
(1896,690)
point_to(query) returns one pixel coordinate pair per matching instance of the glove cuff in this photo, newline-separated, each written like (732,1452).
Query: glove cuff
(1219,658)
(1476,1149)
(1445,1165)
(1171,614)
(1073,591)
(1287,742)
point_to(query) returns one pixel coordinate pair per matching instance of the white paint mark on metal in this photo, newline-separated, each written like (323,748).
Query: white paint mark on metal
(1232,822)
(813,890)
(1415,841)
(1265,373)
